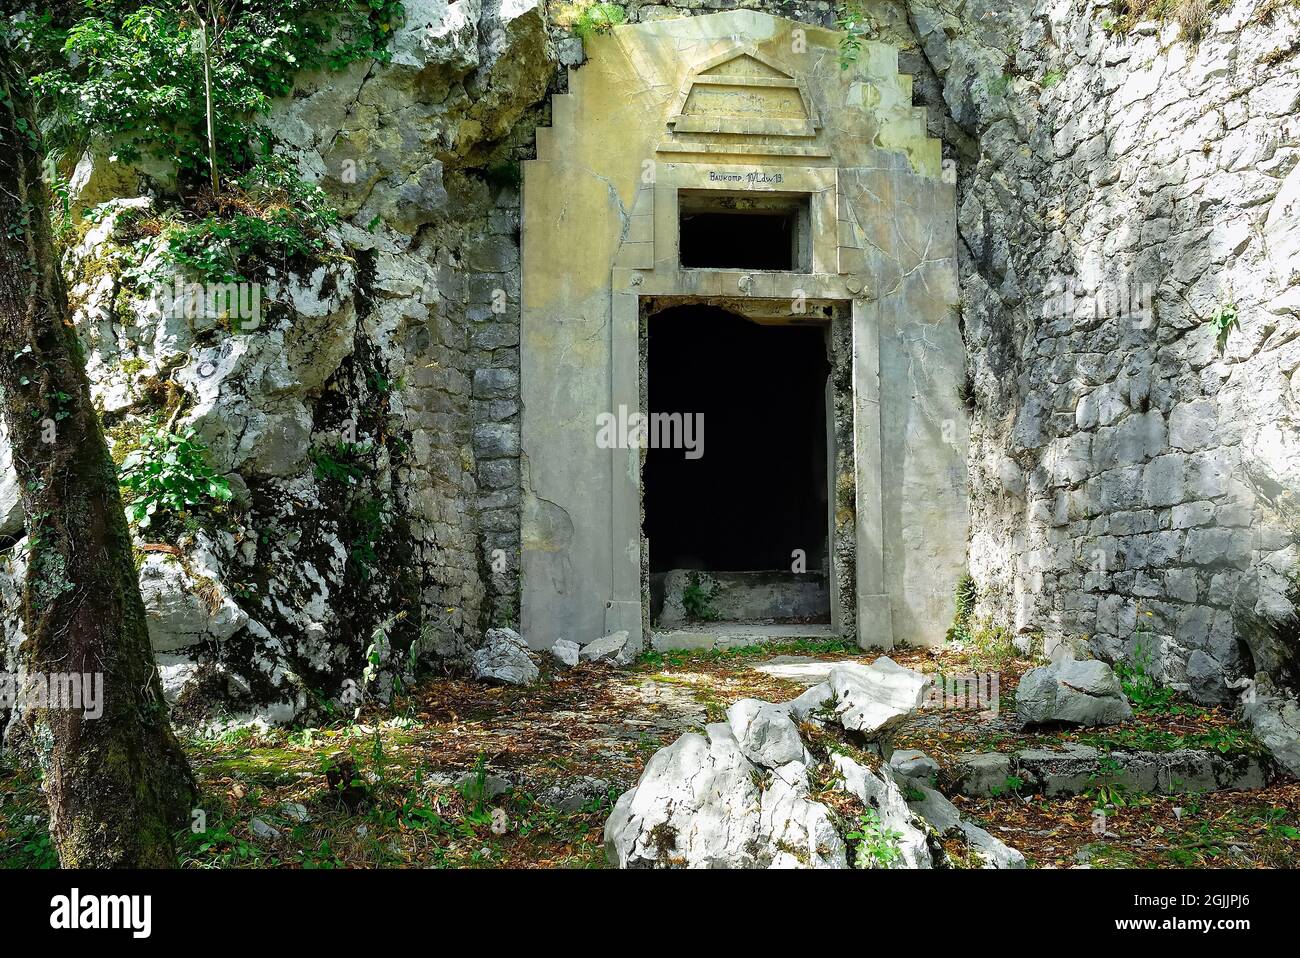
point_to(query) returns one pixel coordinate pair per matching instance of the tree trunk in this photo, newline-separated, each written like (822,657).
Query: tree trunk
(118,785)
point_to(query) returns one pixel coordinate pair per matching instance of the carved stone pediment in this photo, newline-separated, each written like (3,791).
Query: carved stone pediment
(743,91)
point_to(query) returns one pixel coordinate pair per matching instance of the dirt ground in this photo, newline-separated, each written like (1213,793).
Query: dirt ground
(385,790)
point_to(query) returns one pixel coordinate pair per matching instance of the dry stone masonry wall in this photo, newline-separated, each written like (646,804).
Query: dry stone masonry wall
(1134,470)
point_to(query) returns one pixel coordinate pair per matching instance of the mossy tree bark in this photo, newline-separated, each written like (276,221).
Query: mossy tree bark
(118,785)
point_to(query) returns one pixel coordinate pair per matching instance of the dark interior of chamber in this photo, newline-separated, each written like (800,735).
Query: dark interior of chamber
(759,490)
(760,241)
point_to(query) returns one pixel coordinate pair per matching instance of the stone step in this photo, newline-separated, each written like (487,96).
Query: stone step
(1080,768)
(731,635)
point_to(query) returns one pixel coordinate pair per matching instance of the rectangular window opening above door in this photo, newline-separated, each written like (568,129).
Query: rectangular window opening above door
(745,231)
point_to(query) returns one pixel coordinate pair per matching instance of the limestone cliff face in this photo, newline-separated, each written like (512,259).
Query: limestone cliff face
(369,424)
(1120,185)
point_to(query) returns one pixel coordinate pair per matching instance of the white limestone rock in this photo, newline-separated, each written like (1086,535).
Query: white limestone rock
(766,733)
(615,649)
(177,674)
(941,815)
(566,653)
(177,615)
(875,699)
(913,766)
(695,806)
(504,658)
(1073,692)
(1275,719)
(13,514)
(737,797)
(878,791)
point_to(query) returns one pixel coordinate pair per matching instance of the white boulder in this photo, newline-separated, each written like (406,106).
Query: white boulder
(503,657)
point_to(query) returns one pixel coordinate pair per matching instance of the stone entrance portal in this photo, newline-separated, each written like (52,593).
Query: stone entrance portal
(737,520)
(718,190)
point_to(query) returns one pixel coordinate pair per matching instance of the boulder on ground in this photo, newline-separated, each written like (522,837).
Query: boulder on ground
(570,795)
(1072,692)
(565,653)
(981,774)
(766,733)
(503,658)
(943,817)
(913,767)
(700,804)
(615,648)
(875,699)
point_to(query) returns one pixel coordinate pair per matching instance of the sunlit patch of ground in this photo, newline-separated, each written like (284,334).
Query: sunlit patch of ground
(403,808)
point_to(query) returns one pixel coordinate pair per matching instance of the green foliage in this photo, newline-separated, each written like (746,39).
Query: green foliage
(168,476)
(24,832)
(1051,78)
(598,18)
(1011,786)
(1224,739)
(965,597)
(274,218)
(370,520)
(1224,320)
(696,599)
(852,20)
(216,846)
(877,847)
(344,463)
(677,658)
(1137,677)
(1104,788)
(990,645)
(998,86)
(129,74)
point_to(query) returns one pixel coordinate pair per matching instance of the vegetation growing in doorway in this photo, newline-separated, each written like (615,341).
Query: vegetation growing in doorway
(697,599)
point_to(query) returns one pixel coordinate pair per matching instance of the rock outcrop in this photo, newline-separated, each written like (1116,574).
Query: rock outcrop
(745,794)
(368,422)
(1274,717)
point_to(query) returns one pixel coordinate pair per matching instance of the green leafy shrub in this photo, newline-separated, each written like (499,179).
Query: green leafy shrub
(1137,677)
(129,75)
(598,18)
(1224,320)
(964,597)
(168,476)
(344,463)
(876,846)
(697,600)
(269,217)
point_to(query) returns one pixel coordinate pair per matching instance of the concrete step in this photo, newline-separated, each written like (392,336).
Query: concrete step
(731,635)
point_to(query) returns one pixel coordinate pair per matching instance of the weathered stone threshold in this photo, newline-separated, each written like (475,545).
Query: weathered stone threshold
(731,635)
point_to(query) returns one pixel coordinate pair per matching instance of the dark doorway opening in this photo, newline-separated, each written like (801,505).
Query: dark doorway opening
(759,490)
